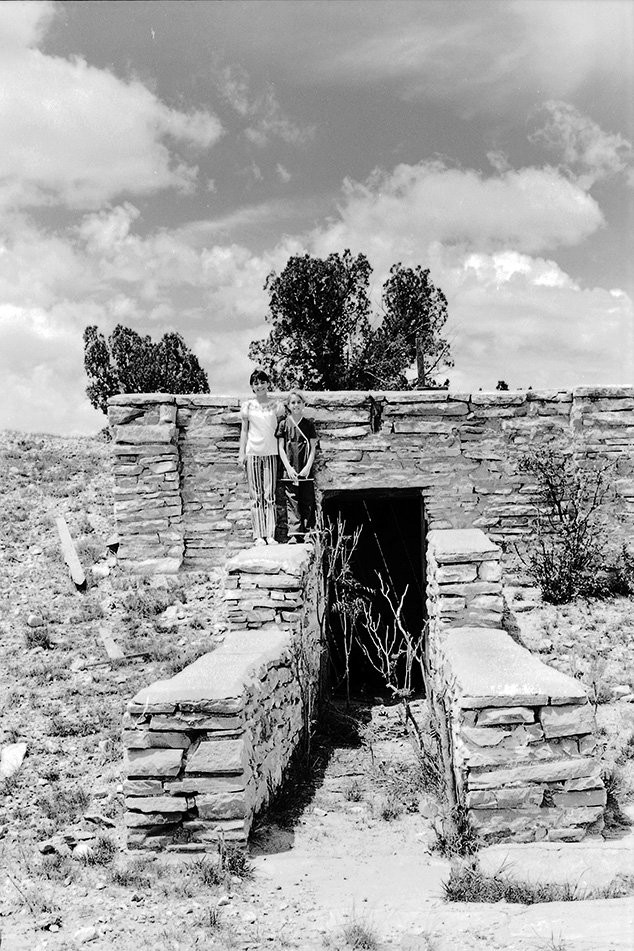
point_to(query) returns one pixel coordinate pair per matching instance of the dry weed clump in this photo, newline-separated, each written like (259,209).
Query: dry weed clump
(468,883)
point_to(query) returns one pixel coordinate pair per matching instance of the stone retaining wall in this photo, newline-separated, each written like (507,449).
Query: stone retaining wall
(205,750)
(181,496)
(517,736)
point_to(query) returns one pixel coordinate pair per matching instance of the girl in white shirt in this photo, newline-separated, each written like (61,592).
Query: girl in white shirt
(259,454)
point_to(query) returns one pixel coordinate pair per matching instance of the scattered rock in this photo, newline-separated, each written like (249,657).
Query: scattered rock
(83,935)
(35,620)
(11,759)
(620,691)
(100,571)
(112,543)
(99,819)
(82,851)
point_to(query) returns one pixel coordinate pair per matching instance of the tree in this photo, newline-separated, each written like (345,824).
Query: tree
(322,337)
(502,385)
(415,315)
(319,310)
(130,363)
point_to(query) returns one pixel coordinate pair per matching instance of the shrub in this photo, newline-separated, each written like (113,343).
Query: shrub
(457,836)
(37,637)
(468,883)
(102,852)
(566,555)
(361,936)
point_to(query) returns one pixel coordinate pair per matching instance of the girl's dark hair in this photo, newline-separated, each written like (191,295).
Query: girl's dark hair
(259,376)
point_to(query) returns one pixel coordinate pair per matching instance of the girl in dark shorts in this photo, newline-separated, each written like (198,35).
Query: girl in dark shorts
(297,442)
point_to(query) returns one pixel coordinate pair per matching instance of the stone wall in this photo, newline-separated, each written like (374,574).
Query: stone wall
(516,735)
(205,750)
(181,495)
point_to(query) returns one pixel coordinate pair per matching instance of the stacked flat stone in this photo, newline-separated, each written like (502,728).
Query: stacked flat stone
(265,587)
(217,517)
(461,450)
(464,578)
(147,495)
(524,753)
(207,748)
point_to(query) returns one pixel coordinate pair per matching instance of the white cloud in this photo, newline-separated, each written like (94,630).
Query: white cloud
(530,210)
(584,147)
(513,315)
(283,173)
(78,135)
(481,53)
(262,110)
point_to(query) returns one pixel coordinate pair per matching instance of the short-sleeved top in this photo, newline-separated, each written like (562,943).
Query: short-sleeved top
(296,438)
(261,439)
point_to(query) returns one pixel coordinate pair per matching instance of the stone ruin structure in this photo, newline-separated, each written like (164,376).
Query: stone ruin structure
(208,748)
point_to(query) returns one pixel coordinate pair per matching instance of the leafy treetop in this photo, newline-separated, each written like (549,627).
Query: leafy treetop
(130,363)
(322,337)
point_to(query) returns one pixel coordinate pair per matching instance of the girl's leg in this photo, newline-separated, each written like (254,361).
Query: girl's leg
(292,509)
(255,481)
(269,467)
(307,506)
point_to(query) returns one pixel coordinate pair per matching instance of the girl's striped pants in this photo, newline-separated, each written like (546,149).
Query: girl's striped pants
(262,479)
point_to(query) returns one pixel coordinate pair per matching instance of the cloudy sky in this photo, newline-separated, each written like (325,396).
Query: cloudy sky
(159,159)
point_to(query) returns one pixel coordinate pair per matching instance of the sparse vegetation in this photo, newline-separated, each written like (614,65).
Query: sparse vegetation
(360,935)
(568,554)
(468,883)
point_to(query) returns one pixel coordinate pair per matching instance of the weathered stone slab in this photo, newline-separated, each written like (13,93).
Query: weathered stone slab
(565,720)
(498,716)
(149,820)
(195,721)
(285,559)
(153,762)
(217,756)
(231,805)
(215,681)
(533,772)
(587,797)
(215,785)
(511,797)
(142,435)
(163,804)
(492,670)
(456,574)
(143,787)
(449,546)
(153,739)
(483,736)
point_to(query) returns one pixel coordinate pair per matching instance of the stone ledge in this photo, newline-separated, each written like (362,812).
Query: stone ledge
(450,546)
(492,670)
(219,677)
(272,559)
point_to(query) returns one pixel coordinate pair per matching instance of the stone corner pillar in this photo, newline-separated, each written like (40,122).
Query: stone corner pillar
(147,495)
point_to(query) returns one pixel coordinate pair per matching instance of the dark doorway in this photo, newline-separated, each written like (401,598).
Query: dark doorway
(390,545)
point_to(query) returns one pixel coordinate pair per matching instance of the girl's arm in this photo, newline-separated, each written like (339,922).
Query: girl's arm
(311,458)
(285,461)
(244,432)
